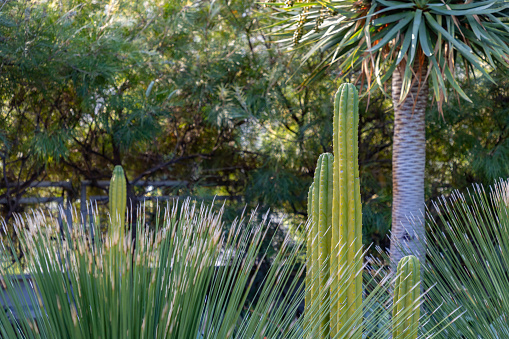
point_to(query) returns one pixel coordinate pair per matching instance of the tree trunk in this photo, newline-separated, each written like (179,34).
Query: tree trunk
(408,162)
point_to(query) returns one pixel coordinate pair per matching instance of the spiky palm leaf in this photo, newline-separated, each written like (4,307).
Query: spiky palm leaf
(375,37)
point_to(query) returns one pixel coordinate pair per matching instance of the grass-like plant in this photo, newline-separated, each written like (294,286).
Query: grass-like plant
(185,277)
(182,278)
(468,247)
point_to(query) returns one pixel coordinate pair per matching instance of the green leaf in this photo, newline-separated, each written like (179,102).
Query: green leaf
(424,40)
(406,83)
(390,35)
(499,22)
(389,18)
(405,45)
(435,86)
(472,4)
(415,33)
(454,84)
(436,69)
(475,27)
(479,10)
(394,3)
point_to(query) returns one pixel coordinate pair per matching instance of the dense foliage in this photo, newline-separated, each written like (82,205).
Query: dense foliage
(199,94)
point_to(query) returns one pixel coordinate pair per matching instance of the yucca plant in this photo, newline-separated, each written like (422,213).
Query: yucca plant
(418,45)
(468,248)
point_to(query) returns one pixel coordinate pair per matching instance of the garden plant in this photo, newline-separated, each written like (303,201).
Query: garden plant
(419,45)
(469,250)
(184,277)
(336,284)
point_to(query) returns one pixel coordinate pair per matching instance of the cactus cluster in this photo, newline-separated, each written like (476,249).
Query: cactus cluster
(334,242)
(335,208)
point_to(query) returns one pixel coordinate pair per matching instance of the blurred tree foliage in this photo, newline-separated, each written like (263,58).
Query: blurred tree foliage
(173,90)
(470,142)
(195,91)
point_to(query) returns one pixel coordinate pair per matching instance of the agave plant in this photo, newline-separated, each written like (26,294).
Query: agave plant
(469,250)
(418,44)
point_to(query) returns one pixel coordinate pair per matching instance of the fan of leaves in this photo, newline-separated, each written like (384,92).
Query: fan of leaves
(375,37)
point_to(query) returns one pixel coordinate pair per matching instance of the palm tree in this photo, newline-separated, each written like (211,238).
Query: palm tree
(419,45)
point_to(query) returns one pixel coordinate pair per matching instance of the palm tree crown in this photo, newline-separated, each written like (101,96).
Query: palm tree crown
(375,37)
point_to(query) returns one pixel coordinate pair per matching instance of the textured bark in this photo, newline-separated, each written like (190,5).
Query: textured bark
(408,162)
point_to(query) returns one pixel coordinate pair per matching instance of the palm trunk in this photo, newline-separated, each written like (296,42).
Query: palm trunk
(408,162)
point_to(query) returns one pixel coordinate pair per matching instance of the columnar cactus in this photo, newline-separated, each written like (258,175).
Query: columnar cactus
(346,210)
(117,202)
(309,257)
(335,206)
(320,199)
(406,306)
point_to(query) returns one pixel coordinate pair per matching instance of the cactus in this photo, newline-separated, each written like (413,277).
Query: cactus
(320,208)
(117,202)
(406,308)
(346,211)
(309,258)
(335,206)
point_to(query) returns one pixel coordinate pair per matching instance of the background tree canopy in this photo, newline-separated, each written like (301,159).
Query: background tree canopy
(197,93)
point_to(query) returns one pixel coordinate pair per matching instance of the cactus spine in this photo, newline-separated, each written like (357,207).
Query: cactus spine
(335,206)
(406,306)
(117,202)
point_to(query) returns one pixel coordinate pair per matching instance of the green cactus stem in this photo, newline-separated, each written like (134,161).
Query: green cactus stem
(320,208)
(117,202)
(309,258)
(406,307)
(334,203)
(346,213)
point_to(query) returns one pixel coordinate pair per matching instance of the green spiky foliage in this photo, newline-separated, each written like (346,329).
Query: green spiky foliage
(469,246)
(320,198)
(185,278)
(117,202)
(378,36)
(406,304)
(335,206)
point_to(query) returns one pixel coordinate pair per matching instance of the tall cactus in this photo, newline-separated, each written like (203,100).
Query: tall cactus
(335,206)
(320,200)
(309,258)
(346,211)
(406,308)
(117,202)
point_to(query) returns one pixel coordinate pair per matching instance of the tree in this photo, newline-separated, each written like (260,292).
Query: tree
(185,92)
(411,43)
